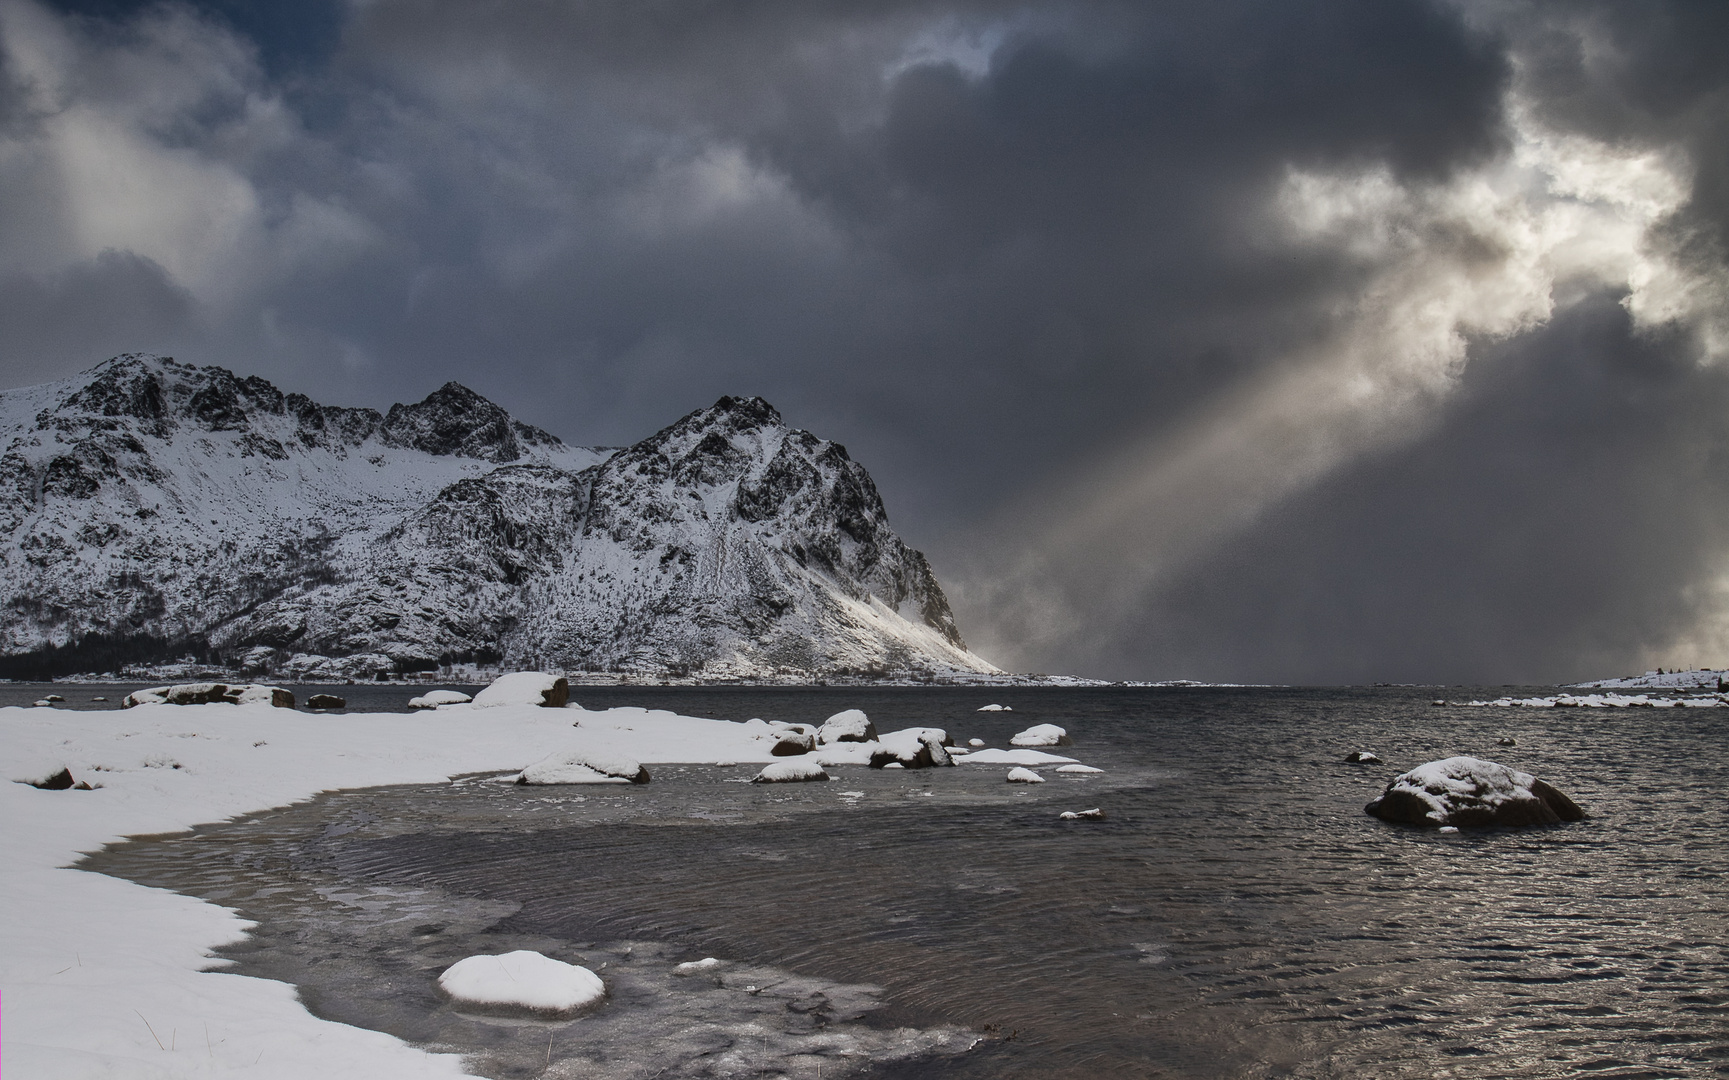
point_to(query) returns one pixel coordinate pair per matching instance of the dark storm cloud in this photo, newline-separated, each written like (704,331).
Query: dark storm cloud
(1560,519)
(117,302)
(1020,257)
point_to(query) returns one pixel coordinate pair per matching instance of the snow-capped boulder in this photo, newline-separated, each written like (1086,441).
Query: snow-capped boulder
(993,708)
(211,694)
(1024,776)
(522,980)
(1042,735)
(432,699)
(1095,814)
(1470,791)
(790,772)
(912,748)
(326,701)
(697,967)
(1362,757)
(584,765)
(525,688)
(790,743)
(852,725)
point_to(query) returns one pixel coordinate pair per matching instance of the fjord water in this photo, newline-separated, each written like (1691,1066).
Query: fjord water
(1237,914)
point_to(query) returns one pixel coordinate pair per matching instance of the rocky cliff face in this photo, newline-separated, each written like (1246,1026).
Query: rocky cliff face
(153,511)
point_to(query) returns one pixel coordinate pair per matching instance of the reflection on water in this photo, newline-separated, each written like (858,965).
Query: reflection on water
(1236,915)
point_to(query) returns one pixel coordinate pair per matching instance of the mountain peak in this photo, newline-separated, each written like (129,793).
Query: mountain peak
(454,420)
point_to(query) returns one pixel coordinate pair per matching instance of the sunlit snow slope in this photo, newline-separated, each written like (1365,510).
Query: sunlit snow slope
(152,510)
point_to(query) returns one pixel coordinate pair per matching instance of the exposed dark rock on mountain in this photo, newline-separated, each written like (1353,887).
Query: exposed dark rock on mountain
(153,512)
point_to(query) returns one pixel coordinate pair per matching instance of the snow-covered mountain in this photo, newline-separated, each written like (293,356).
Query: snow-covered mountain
(152,511)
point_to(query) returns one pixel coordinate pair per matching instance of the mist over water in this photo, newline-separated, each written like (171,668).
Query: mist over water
(1236,915)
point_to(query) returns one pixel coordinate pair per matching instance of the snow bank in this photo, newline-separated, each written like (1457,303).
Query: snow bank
(523,980)
(790,772)
(1042,735)
(83,955)
(1470,791)
(1024,776)
(585,765)
(525,688)
(849,726)
(432,699)
(1015,757)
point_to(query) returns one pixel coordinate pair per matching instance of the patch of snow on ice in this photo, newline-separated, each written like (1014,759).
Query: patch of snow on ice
(524,979)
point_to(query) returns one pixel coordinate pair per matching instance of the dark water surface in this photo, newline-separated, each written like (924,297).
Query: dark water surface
(1237,914)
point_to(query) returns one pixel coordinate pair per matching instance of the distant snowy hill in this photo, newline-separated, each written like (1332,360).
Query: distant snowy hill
(153,511)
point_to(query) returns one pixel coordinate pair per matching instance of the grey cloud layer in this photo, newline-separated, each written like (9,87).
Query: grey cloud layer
(1001,251)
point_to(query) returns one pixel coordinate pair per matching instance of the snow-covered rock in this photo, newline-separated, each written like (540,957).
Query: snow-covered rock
(696,967)
(1078,770)
(993,708)
(585,765)
(525,688)
(852,725)
(1024,776)
(975,743)
(1095,814)
(432,699)
(1042,735)
(912,748)
(160,512)
(326,701)
(790,772)
(210,694)
(524,980)
(1362,757)
(1470,791)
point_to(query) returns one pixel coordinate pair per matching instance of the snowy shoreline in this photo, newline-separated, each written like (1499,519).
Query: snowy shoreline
(90,994)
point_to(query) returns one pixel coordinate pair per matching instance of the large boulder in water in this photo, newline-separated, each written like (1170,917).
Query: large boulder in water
(852,725)
(1469,791)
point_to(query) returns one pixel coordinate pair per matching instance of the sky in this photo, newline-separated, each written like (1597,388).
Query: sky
(1304,341)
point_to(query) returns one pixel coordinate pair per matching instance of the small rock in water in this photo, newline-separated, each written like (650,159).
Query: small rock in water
(53,697)
(43,703)
(1362,757)
(790,772)
(1471,791)
(326,701)
(994,708)
(1019,775)
(1095,814)
(98,699)
(1078,769)
(975,742)
(1506,740)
